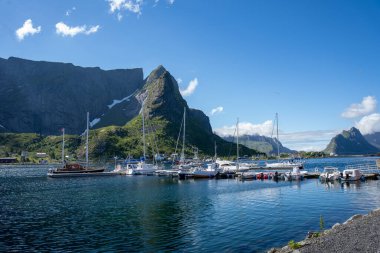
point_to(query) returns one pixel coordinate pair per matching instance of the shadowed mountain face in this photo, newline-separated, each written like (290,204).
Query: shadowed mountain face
(43,97)
(164,101)
(350,142)
(261,143)
(373,139)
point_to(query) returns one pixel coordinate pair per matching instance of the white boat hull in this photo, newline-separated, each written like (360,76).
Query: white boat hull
(92,174)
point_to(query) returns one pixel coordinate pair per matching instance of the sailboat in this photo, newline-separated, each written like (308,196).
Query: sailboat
(74,169)
(288,164)
(181,164)
(211,171)
(229,166)
(141,168)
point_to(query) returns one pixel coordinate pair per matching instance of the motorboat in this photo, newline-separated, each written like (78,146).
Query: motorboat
(295,174)
(351,175)
(249,175)
(209,172)
(226,166)
(330,174)
(140,168)
(288,164)
(229,166)
(163,172)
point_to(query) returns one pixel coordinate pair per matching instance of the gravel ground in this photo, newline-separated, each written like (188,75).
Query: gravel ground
(360,233)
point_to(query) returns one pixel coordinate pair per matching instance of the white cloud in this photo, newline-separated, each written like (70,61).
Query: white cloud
(190,88)
(119,16)
(369,124)
(301,141)
(171,1)
(247,128)
(27,29)
(65,30)
(115,5)
(367,106)
(179,80)
(92,29)
(133,6)
(69,11)
(217,110)
(308,140)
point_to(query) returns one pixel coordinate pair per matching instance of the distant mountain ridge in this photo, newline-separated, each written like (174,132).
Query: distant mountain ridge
(373,139)
(261,143)
(350,142)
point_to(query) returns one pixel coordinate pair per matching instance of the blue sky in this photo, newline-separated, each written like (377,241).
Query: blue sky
(316,63)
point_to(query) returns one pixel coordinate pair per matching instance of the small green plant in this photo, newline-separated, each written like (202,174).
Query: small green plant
(294,245)
(321,223)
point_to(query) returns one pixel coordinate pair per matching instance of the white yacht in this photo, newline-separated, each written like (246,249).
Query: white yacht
(330,174)
(289,164)
(140,168)
(209,172)
(351,175)
(295,174)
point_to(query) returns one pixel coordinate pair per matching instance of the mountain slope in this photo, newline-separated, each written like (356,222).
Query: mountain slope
(261,143)
(373,139)
(350,142)
(163,108)
(43,97)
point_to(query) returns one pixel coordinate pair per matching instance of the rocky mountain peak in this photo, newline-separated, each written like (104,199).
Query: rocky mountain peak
(350,142)
(156,73)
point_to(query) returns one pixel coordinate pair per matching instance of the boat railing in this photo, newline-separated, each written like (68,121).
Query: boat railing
(367,168)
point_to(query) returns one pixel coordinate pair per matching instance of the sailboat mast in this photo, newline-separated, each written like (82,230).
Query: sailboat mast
(63,147)
(88,119)
(143,122)
(215,151)
(183,137)
(278,140)
(237,144)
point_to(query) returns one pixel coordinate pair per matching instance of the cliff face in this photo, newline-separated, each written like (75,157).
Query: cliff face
(42,97)
(350,142)
(164,101)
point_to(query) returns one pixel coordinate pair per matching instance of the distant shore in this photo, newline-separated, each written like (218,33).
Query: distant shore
(360,233)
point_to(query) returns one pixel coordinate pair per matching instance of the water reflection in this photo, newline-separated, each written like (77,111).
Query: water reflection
(164,214)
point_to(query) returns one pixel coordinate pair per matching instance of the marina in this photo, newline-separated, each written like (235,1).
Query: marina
(155,213)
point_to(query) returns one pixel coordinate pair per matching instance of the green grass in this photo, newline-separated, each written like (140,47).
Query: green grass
(107,142)
(294,245)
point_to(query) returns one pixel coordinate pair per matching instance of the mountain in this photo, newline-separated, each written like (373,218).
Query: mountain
(373,139)
(163,110)
(350,142)
(42,97)
(261,143)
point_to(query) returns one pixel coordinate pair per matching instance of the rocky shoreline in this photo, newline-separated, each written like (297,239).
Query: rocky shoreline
(360,233)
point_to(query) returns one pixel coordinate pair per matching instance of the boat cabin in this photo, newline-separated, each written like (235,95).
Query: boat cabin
(352,174)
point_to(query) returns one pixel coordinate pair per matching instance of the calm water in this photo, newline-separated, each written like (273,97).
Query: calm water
(161,214)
